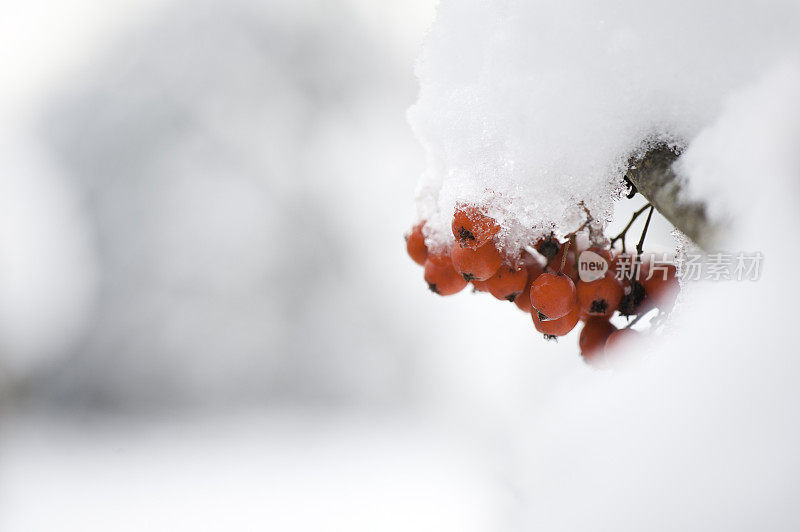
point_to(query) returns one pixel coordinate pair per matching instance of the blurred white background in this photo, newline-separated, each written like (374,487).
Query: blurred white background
(207,317)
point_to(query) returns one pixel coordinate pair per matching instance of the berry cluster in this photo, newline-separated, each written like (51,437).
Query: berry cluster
(545,281)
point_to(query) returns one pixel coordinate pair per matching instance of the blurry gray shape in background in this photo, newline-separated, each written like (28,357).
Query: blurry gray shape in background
(200,145)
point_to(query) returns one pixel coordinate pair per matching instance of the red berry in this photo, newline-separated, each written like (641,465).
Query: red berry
(662,287)
(480,286)
(508,283)
(603,252)
(570,267)
(478,264)
(553,295)
(523,300)
(600,297)
(617,340)
(593,339)
(415,245)
(440,275)
(559,327)
(472,227)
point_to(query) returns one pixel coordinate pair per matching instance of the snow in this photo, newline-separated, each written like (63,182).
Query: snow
(748,152)
(529,108)
(698,431)
(428,413)
(532,107)
(288,472)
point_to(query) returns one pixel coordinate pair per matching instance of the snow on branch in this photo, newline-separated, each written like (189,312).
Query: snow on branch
(654,178)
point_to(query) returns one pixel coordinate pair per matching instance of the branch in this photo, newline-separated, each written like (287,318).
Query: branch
(653,177)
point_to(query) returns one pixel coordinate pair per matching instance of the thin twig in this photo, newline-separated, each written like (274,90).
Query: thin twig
(564,254)
(640,245)
(589,219)
(621,235)
(575,253)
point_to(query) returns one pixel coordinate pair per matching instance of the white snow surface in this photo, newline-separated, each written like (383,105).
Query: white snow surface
(290,472)
(698,431)
(529,108)
(749,154)
(532,107)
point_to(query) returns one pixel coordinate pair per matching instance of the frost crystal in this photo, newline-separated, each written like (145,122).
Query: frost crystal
(530,108)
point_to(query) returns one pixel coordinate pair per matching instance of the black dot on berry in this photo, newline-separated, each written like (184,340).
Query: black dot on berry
(432,287)
(599,306)
(548,248)
(465,234)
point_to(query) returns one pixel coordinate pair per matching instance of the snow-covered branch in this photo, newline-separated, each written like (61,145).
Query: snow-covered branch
(653,177)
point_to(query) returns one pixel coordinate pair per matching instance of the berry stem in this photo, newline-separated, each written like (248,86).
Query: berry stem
(621,235)
(589,219)
(640,245)
(564,254)
(574,249)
